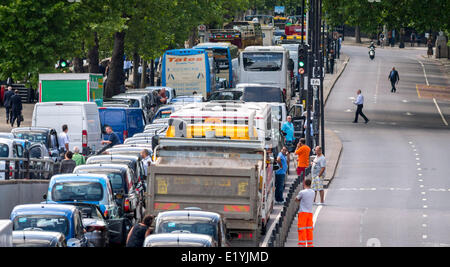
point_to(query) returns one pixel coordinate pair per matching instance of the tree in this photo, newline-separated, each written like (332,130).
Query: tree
(34,35)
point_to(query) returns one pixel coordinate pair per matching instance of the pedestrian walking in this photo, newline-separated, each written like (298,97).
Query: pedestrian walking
(394,78)
(359,102)
(382,40)
(67,164)
(7,103)
(302,153)
(63,139)
(139,232)
(413,39)
(77,157)
(305,216)
(318,174)
(280,175)
(16,108)
(430,48)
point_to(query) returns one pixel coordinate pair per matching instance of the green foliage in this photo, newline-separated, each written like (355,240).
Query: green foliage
(34,35)
(422,15)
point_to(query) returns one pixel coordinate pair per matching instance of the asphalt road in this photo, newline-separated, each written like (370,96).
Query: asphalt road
(392,185)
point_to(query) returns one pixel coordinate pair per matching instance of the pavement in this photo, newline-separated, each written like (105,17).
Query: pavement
(27,113)
(333,149)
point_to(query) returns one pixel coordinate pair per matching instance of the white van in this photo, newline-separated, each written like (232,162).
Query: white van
(82,119)
(9,148)
(269,65)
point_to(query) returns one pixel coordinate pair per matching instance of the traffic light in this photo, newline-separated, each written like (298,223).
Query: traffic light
(302,59)
(62,63)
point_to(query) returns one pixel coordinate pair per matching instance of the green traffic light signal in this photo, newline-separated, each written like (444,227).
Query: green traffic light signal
(301,63)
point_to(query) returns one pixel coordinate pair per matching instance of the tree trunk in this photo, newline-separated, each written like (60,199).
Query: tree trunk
(93,56)
(152,73)
(144,74)
(116,76)
(77,65)
(357,34)
(136,63)
(192,37)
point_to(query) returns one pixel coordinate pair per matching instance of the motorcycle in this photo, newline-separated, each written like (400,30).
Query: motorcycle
(372,53)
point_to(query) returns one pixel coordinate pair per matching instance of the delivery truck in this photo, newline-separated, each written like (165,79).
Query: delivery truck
(86,87)
(231,177)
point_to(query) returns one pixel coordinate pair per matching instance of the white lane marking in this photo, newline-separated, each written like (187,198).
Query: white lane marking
(405,101)
(316,213)
(440,112)
(434,99)
(424,73)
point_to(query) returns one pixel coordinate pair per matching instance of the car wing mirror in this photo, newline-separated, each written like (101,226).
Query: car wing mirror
(74,242)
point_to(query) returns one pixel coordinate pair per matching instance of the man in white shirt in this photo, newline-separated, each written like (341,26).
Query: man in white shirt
(63,139)
(360,104)
(146,160)
(305,215)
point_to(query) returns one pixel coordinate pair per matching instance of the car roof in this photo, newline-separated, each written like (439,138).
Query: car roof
(79,177)
(179,238)
(115,156)
(6,141)
(32,129)
(102,166)
(228,90)
(191,213)
(38,238)
(44,209)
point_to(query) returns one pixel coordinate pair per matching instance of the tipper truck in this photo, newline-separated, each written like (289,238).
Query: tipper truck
(231,177)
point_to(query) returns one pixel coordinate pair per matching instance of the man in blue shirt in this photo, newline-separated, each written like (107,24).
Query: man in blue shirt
(113,138)
(288,128)
(280,175)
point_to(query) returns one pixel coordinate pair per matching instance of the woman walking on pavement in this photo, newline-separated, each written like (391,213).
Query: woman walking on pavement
(139,232)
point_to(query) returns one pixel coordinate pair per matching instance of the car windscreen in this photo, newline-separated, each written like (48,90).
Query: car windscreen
(195,227)
(268,61)
(36,137)
(51,223)
(4,150)
(69,191)
(226,96)
(114,176)
(262,94)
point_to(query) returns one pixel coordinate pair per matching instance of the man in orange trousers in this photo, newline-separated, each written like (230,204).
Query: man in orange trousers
(305,215)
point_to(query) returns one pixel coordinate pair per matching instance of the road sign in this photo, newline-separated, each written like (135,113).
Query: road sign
(315,82)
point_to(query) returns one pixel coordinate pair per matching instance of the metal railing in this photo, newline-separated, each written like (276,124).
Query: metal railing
(280,232)
(29,168)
